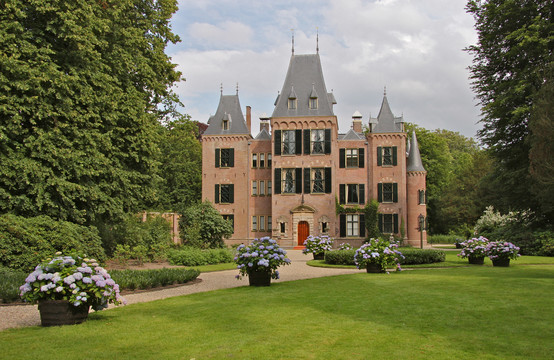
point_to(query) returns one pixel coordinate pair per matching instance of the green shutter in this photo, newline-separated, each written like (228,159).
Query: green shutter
(395,223)
(231,157)
(342,194)
(298,180)
(379,156)
(216,197)
(328,180)
(342,218)
(298,140)
(277,142)
(361,225)
(231,193)
(394,192)
(380,192)
(381,223)
(277,181)
(307,189)
(306,142)
(217,153)
(361,157)
(327,141)
(394,160)
(361,195)
(342,158)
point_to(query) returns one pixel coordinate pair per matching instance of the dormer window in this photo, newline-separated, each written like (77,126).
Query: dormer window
(292,104)
(313,103)
(225,124)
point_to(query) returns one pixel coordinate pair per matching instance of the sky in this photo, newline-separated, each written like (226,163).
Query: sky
(414,48)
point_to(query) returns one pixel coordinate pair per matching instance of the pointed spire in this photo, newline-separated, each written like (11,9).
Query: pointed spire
(221,88)
(237,88)
(292,30)
(385,91)
(317,41)
(414,157)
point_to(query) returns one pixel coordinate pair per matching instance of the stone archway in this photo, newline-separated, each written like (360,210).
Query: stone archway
(303,232)
(302,214)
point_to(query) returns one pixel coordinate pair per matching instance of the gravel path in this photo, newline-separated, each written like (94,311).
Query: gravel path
(28,315)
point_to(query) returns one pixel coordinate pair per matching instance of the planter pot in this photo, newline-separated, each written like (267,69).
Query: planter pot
(476,260)
(61,312)
(501,262)
(319,256)
(374,268)
(259,278)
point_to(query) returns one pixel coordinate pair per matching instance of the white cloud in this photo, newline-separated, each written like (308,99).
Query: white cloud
(229,34)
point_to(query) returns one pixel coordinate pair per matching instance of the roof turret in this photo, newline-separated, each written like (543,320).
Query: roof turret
(228,118)
(386,122)
(414,158)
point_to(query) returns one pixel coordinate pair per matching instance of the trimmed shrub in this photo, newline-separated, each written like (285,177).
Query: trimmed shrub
(444,239)
(188,256)
(421,256)
(9,286)
(25,242)
(340,257)
(147,279)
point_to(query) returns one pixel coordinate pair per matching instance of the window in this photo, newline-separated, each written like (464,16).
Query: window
(421,196)
(262,223)
(352,158)
(269,187)
(388,223)
(324,227)
(289,142)
(269,160)
(269,223)
(231,219)
(292,104)
(318,179)
(352,193)
(352,225)
(224,158)
(262,188)
(254,223)
(225,124)
(386,156)
(254,160)
(317,142)
(288,181)
(254,188)
(282,227)
(224,193)
(387,192)
(313,103)
(262,160)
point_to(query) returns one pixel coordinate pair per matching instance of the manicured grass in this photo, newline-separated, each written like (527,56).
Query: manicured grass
(476,312)
(216,267)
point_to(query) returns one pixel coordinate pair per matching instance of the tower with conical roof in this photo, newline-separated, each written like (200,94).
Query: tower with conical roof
(416,195)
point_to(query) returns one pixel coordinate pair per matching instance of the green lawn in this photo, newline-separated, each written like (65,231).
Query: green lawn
(476,312)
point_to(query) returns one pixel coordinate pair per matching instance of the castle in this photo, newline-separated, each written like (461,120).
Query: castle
(289,180)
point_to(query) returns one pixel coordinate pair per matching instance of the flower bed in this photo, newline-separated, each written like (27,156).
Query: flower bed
(379,252)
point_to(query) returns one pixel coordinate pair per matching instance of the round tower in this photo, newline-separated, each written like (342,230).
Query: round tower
(416,191)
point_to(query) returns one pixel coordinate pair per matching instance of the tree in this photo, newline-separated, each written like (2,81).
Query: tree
(515,44)
(83,86)
(202,226)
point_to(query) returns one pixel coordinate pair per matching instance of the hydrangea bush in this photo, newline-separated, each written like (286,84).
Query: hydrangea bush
(476,247)
(377,251)
(502,250)
(261,255)
(317,244)
(79,280)
(345,246)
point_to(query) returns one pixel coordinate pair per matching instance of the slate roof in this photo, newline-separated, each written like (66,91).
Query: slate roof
(228,109)
(304,80)
(263,135)
(351,135)
(414,158)
(386,122)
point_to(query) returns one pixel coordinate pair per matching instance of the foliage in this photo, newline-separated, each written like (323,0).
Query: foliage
(134,238)
(180,165)
(371,211)
(24,242)
(340,257)
(317,244)
(377,251)
(147,279)
(202,226)
(9,286)
(476,247)
(345,246)
(84,85)
(444,239)
(514,48)
(189,256)
(501,250)
(261,255)
(79,280)
(421,256)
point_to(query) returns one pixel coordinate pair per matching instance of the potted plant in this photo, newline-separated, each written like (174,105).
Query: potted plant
(474,250)
(500,252)
(376,255)
(317,245)
(260,261)
(65,287)
(345,246)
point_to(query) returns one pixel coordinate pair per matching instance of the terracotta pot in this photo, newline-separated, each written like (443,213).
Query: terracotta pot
(259,278)
(503,262)
(319,256)
(374,268)
(476,260)
(61,312)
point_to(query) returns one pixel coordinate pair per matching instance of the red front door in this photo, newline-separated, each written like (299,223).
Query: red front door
(303,232)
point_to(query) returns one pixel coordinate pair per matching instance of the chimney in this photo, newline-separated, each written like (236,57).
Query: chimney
(357,122)
(249,118)
(264,122)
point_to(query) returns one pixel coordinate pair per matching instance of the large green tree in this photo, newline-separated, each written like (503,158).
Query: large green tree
(515,45)
(83,85)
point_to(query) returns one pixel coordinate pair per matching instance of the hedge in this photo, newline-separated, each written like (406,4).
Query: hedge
(340,257)
(25,242)
(188,256)
(147,279)
(412,256)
